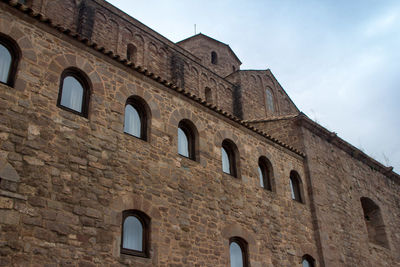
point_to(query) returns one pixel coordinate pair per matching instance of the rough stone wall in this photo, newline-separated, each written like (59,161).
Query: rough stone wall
(253,85)
(201,46)
(114,30)
(338,182)
(77,175)
(284,129)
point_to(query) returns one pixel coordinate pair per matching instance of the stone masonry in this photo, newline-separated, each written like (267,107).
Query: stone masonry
(66,179)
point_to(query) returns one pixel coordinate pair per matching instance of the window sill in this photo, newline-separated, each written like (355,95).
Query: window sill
(73,111)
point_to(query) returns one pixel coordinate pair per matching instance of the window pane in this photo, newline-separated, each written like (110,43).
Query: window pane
(183,143)
(72,94)
(225,162)
(133,234)
(306,263)
(132,123)
(270,100)
(5,63)
(292,189)
(236,255)
(260,174)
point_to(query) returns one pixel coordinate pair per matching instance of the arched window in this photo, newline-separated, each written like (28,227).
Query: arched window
(374,222)
(136,117)
(135,233)
(270,99)
(208,94)
(9,57)
(238,252)
(265,173)
(295,186)
(74,92)
(187,137)
(230,157)
(131,52)
(214,58)
(308,261)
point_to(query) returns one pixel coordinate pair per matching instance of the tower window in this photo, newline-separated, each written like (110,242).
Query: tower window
(214,58)
(230,156)
(265,173)
(374,222)
(9,57)
(187,135)
(238,252)
(74,92)
(135,233)
(270,100)
(308,261)
(136,117)
(295,186)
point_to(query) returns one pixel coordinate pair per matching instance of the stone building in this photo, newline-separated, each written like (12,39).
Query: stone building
(119,147)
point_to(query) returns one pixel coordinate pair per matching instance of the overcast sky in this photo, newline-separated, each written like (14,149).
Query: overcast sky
(338,60)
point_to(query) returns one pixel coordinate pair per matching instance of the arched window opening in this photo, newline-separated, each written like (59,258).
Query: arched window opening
(308,261)
(187,137)
(233,68)
(214,58)
(374,222)
(238,252)
(131,52)
(295,186)
(74,92)
(9,58)
(230,158)
(135,233)
(265,173)
(136,117)
(208,94)
(270,99)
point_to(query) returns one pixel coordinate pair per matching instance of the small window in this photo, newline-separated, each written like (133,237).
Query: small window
(135,122)
(295,186)
(131,52)
(208,94)
(187,134)
(308,261)
(270,100)
(238,252)
(9,57)
(265,173)
(74,92)
(230,158)
(233,68)
(135,233)
(374,222)
(214,58)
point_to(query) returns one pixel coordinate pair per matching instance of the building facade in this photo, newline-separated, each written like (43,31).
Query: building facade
(119,147)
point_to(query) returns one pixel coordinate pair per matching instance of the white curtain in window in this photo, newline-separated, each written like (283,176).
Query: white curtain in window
(236,255)
(5,63)
(132,123)
(225,161)
(72,94)
(133,234)
(260,174)
(183,143)
(292,189)
(306,263)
